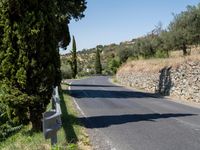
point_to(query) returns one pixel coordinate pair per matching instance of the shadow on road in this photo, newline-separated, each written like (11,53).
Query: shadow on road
(106,121)
(90,85)
(87,93)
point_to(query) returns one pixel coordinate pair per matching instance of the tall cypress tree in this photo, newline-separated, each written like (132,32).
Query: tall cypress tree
(30,31)
(74,58)
(98,66)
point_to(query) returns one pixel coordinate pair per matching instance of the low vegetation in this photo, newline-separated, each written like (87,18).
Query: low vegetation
(71,136)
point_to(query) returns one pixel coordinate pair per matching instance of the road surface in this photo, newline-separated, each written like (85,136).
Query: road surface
(118,118)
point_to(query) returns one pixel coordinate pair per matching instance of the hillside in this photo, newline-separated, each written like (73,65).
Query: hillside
(111,58)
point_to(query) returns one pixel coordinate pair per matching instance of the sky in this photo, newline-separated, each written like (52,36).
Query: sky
(115,21)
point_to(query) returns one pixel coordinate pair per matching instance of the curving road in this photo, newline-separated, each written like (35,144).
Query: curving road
(121,119)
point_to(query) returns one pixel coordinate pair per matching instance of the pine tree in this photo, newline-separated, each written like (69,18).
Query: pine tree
(98,66)
(74,59)
(30,31)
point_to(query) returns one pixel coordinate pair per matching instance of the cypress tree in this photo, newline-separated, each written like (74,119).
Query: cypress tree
(98,66)
(30,31)
(74,59)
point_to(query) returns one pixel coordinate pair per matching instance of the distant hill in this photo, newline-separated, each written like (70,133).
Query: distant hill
(86,57)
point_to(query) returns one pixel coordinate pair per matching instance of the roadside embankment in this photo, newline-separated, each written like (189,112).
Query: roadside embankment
(176,77)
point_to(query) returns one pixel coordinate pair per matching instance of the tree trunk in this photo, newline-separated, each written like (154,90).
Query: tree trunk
(36,119)
(184,48)
(167,53)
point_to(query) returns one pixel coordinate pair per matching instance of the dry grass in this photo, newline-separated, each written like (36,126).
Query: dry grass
(194,50)
(154,65)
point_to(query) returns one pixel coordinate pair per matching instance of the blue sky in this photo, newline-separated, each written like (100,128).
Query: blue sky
(114,21)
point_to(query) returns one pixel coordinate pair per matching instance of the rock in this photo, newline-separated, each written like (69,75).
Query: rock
(182,81)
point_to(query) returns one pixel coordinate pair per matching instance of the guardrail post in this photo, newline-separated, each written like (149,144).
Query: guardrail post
(52,119)
(54,139)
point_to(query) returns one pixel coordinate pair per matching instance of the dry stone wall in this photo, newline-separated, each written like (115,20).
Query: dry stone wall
(182,81)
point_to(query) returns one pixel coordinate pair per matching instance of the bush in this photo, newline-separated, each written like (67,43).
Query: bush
(123,55)
(66,71)
(83,73)
(161,54)
(113,65)
(7,127)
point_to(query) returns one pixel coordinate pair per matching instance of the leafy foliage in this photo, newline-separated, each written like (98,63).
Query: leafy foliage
(7,127)
(112,66)
(184,29)
(74,59)
(66,69)
(29,55)
(98,66)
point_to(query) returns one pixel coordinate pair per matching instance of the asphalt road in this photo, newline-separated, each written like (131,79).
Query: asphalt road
(121,119)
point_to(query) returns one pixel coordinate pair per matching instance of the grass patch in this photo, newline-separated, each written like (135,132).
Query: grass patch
(114,79)
(71,136)
(26,140)
(74,131)
(154,65)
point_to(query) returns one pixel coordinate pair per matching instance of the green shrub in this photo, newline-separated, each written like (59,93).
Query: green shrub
(113,65)
(161,54)
(123,55)
(7,127)
(66,71)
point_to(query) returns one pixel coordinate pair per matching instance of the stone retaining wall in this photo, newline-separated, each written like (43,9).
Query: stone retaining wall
(182,81)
